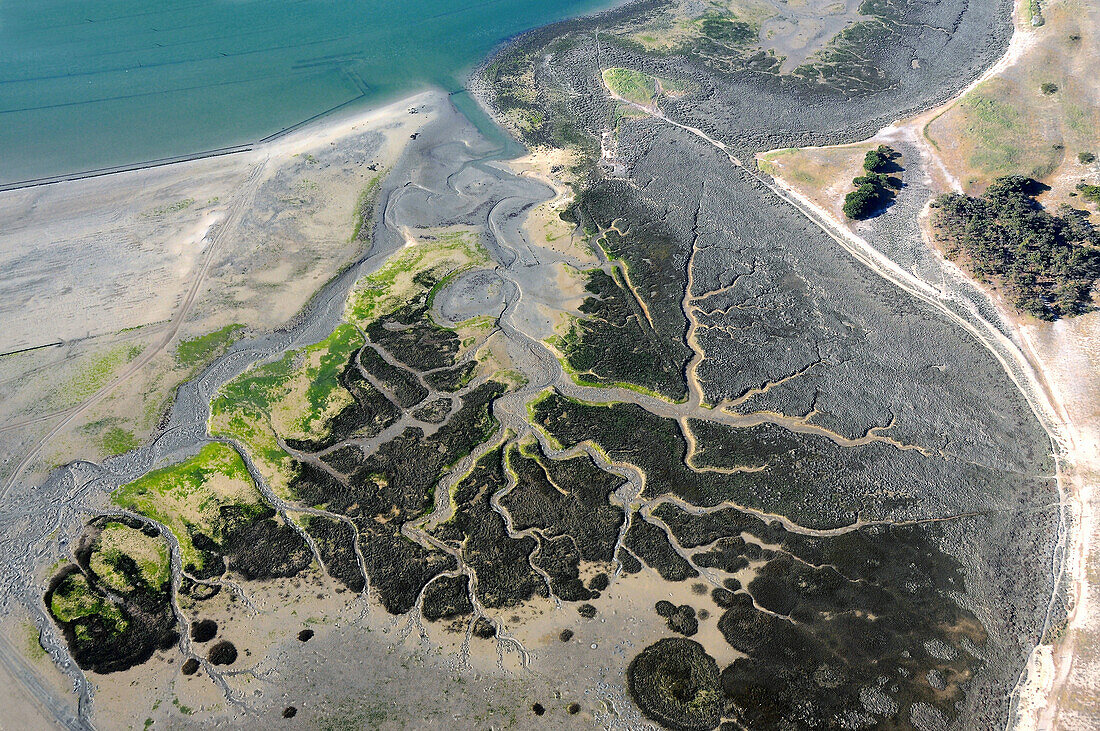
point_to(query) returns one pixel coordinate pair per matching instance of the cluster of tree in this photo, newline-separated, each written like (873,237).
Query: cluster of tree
(1045,264)
(875,189)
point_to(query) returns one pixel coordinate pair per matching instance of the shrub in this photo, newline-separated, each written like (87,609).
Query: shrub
(1085,158)
(861,202)
(1048,88)
(1090,192)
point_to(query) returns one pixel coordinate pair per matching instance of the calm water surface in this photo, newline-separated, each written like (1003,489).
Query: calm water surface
(88,84)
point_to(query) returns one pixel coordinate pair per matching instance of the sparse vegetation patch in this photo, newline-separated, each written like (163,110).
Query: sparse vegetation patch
(634,86)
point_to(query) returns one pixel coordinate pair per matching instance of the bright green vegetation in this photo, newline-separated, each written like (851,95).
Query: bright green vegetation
(170,208)
(1089,192)
(185,710)
(875,189)
(405,274)
(92,375)
(204,348)
(188,497)
(252,429)
(1046,264)
(33,645)
(633,86)
(73,599)
(294,397)
(113,604)
(117,440)
(149,553)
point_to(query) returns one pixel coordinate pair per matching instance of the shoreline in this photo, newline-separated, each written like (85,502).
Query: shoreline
(340,117)
(467,78)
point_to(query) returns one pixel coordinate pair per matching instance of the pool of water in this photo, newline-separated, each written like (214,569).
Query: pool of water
(91,84)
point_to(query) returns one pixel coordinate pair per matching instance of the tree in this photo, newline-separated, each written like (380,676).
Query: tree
(861,202)
(879,159)
(875,188)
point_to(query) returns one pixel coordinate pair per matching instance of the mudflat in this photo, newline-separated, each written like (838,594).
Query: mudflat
(630,429)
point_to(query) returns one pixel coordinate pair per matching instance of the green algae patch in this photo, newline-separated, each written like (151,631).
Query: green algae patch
(74,599)
(196,497)
(116,440)
(32,646)
(424,264)
(204,348)
(110,436)
(170,208)
(295,397)
(113,604)
(93,374)
(121,550)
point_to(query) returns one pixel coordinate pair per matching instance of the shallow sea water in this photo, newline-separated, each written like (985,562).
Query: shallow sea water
(90,84)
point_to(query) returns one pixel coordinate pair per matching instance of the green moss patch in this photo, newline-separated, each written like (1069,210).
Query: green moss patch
(633,86)
(295,398)
(120,549)
(397,281)
(94,372)
(196,497)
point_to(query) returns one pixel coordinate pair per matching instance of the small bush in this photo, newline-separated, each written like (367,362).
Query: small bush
(1048,88)
(1090,192)
(1085,158)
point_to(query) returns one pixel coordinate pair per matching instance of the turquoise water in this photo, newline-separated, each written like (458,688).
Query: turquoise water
(89,84)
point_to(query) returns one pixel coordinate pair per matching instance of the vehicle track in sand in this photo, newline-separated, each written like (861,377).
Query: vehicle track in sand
(241,204)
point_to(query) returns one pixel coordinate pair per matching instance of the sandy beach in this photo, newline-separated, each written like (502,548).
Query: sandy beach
(112,272)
